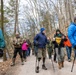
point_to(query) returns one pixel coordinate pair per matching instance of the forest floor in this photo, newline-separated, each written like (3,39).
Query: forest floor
(29,68)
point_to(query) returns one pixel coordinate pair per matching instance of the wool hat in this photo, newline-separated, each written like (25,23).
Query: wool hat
(42,29)
(57,30)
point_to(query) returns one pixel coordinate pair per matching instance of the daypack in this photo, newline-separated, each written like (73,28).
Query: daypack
(25,46)
(2,41)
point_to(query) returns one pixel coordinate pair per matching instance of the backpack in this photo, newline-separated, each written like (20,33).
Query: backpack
(2,41)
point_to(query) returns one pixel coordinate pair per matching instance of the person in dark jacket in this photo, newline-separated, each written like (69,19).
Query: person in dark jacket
(59,47)
(41,40)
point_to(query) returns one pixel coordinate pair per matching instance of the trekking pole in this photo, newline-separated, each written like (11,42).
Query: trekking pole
(73,64)
(52,63)
(36,62)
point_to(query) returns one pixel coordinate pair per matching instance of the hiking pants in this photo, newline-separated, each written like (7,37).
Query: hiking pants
(60,54)
(24,54)
(17,50)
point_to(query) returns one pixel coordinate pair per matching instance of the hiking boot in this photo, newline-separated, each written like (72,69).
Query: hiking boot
(62,64)
(22,63)
(13,62)
(55,61)
(69,60)
(37,69)
(59,65)
(25,60)
(44,67)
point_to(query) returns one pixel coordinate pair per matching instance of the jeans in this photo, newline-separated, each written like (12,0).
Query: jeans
(69,51)
(28,52)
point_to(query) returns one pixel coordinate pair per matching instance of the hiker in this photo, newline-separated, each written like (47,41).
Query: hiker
(41,40)
(2,43)
(24,49)
(29,47)
(72,34)
(68,48)
(50,48)
(59,47)
(17,42)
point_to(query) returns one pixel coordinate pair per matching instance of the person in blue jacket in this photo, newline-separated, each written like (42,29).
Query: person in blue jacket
(41,40)
(72,34)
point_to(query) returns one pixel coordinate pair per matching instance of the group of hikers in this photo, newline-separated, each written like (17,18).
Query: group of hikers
(42,44)
(55,45)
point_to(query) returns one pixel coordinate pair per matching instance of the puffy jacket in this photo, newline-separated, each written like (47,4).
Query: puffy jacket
(67,42)
(72,34)
(41,40)
(25,46)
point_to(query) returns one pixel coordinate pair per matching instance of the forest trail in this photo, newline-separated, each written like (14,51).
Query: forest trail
(29,68)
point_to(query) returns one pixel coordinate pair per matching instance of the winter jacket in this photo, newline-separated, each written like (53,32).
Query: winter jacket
(40,40)
(67,42)
(72,34)
(17,42)
(59,42)
(25,46)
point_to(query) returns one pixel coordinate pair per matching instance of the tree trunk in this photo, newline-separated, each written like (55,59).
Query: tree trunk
(2,27)
(16,29)
(2,17)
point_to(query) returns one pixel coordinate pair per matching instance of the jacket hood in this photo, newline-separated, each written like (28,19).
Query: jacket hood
(73,23)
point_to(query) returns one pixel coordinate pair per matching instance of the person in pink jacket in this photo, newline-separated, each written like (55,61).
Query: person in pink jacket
(24,49)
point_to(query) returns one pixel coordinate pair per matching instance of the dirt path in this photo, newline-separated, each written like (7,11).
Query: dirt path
(29,68)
